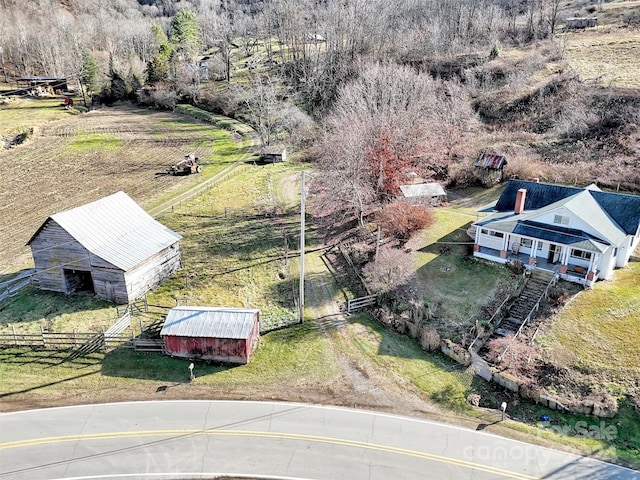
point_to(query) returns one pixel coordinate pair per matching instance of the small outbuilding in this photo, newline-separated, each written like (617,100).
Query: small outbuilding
(110,248)
(581,22)
(213,334)
(489,168)
(429,193)
(56,84)
(273,154)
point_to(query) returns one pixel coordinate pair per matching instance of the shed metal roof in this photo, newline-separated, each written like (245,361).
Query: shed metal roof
(209,322)
(116,229)
(422,190)
(490,160)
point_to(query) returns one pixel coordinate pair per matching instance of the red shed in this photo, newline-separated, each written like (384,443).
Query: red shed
(217,334)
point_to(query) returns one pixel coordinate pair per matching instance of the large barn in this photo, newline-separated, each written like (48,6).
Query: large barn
(217,334)
(110,248)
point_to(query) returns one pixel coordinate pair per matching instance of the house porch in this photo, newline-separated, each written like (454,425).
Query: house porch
(572,273)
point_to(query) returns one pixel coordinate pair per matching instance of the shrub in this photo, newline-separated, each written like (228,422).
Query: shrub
(559,295)
(516,266)
(514,357)
(429,339)
(401,219)
(389,271)
(474,399)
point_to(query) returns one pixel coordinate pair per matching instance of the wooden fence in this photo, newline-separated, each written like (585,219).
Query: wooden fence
(10,288)
(270,324)
(86,341)
(133,308)
(81,343)
(354,304)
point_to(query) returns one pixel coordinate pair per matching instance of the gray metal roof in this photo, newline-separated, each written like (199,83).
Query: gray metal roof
(210,322)
(116,229)
(422,190)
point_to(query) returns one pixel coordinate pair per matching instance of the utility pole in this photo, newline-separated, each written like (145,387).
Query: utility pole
(301,295)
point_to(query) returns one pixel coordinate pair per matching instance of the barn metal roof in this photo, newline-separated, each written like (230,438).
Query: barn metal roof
(210,322)
(422,190)
(490,160)
(116,229)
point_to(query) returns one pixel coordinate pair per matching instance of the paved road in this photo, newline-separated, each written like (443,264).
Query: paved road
(200,439)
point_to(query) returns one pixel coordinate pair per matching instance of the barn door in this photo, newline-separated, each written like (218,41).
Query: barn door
(109,291)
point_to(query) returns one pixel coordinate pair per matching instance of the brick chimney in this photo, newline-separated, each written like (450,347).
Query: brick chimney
(520,198)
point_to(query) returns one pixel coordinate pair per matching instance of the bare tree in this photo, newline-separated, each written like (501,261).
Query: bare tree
(391,269)
(389,122)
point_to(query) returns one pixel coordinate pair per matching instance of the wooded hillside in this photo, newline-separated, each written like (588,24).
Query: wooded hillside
(459,77)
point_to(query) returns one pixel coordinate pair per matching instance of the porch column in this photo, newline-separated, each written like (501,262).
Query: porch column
(505,242)
(505,246)
(564,259)
(592,261)
(534,250)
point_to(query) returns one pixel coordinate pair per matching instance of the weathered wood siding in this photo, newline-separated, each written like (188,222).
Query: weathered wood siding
(54,250)
(152,271)
(252,342)
(224,350)
(110,284)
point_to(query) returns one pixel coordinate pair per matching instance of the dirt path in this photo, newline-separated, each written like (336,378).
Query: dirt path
(364,384)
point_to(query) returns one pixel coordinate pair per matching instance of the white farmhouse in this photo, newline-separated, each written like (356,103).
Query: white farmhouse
(582,234)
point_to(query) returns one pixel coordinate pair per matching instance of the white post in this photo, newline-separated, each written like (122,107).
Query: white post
(503,408)
(301,294)
(192,377)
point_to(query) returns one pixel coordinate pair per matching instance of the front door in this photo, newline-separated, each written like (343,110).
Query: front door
(554,253)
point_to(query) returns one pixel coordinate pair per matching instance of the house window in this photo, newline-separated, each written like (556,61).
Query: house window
(561,220)
(581,254)
(526,242)
(491,233)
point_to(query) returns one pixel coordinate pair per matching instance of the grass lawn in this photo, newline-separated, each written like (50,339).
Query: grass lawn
(233,247)
(598,332)
(609,57)
(22,114)
(444,381)
(33,310)
(455,284)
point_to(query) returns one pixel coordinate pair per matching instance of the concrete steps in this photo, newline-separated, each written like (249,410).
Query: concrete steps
(525,303)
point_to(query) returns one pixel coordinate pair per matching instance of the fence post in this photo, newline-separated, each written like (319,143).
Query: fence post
(15,339)
(75,339)
(43,342)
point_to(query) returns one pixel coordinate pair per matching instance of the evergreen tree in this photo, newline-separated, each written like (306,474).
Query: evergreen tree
(116,89)
(158,68)
(185,35)
(89,76)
